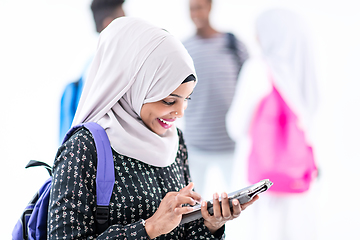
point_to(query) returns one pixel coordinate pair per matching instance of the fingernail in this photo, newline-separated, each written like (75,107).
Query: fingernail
(203,203)
(216,196)
(223,195)
(235,202)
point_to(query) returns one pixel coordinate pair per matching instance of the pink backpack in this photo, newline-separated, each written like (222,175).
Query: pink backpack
(279,150)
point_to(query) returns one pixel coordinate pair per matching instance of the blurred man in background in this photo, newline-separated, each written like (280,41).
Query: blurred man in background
(218,58)
(104,12)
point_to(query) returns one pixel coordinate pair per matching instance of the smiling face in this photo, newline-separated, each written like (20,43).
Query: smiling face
(160,116)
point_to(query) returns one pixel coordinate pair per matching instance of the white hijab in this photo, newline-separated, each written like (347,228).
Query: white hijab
(286,50)
(135,63)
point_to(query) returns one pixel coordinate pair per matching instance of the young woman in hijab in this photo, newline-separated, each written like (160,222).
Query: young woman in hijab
(138,85)
(287,64)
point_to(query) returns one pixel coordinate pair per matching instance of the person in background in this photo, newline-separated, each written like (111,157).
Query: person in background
(138,85)
(272,115)
(218,58)
(104,12)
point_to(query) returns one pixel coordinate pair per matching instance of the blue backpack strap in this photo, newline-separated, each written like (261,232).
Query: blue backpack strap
(105,173)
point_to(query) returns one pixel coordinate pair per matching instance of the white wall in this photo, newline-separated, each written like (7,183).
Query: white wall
(45,44)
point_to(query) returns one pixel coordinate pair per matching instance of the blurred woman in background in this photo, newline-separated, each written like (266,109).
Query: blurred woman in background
(272,114)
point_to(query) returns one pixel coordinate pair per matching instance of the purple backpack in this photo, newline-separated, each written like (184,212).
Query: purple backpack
(279,150)
(33,222)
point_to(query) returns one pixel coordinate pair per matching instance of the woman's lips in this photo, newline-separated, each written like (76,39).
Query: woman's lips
(166,123)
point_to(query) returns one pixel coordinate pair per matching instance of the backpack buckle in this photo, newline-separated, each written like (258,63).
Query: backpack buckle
(102,214)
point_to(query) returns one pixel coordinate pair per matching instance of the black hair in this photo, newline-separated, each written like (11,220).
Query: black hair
(190,78)
(102,9)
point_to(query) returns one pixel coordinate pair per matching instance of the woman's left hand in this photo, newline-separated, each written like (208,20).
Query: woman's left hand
(222,213)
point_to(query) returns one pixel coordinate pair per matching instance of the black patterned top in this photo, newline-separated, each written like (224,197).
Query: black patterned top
(138,191)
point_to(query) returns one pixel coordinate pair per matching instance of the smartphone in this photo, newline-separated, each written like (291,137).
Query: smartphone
(244,195)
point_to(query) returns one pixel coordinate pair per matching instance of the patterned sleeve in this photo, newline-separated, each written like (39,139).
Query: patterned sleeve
(73,195)
(196,229)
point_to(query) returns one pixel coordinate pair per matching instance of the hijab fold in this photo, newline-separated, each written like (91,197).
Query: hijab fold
(135,63)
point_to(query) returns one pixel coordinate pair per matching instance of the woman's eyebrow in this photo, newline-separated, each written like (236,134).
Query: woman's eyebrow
(178,96)
(175,95)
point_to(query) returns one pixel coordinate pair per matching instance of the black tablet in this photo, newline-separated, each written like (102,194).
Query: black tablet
(244,195)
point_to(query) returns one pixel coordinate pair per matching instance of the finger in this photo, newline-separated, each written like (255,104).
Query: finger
(245,205)
(183,210)
(236,211)
(216,206)
(196,196)
(225,206)
(204,212)
(184,199)
(188,188)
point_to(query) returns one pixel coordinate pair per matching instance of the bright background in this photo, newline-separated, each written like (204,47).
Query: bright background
(45,44)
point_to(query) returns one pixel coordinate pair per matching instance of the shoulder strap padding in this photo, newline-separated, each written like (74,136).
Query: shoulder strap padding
(105,174)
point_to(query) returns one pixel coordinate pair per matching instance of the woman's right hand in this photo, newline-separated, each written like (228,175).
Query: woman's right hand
(169,214)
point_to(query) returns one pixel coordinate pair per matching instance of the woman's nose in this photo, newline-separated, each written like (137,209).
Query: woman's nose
(179,111)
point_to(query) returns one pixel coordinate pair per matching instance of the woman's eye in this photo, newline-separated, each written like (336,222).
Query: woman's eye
(168,103)
(188,98)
